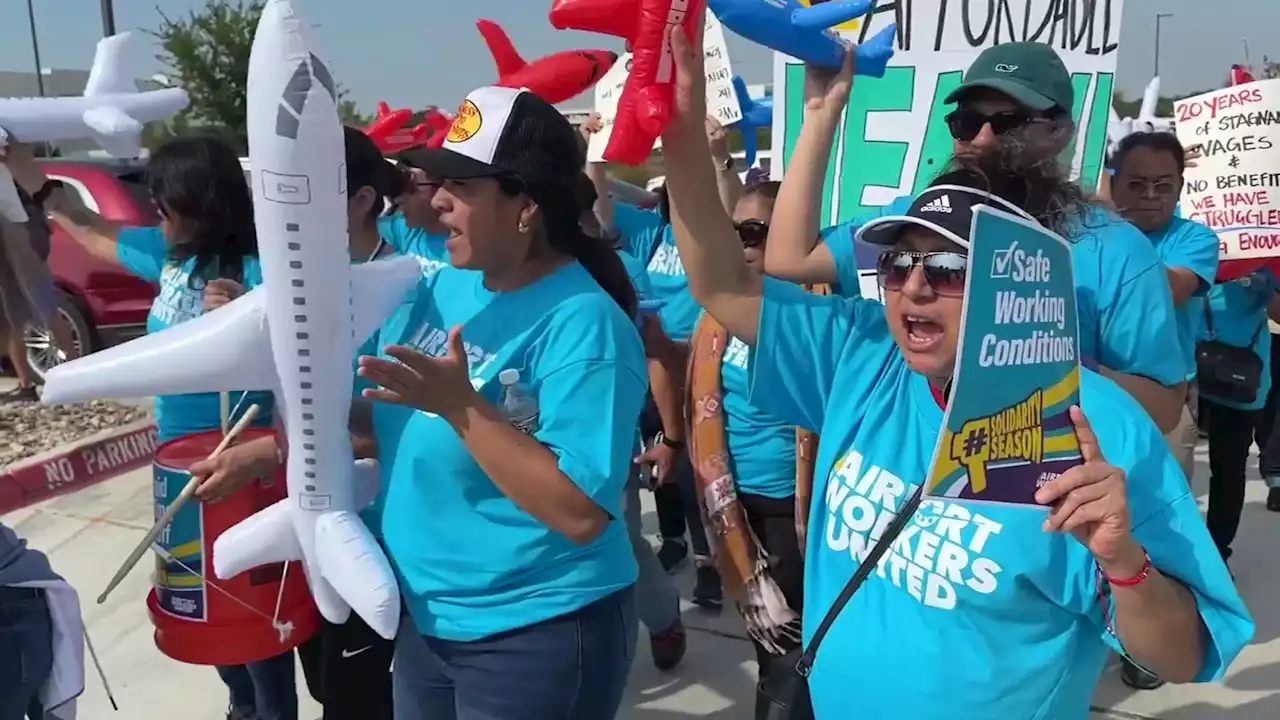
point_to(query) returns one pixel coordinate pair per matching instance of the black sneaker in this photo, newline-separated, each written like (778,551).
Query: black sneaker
(20,394)
(1273,499)
(707,592)
(673,554)
(1137,678)
(235,713)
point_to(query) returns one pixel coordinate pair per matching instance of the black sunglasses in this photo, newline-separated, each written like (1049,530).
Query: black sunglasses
(966,123)
(753,233)
(945,272)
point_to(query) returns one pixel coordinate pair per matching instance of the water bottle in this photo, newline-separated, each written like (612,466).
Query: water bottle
(518,405)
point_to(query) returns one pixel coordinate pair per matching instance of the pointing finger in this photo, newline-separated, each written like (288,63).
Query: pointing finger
(1090,450)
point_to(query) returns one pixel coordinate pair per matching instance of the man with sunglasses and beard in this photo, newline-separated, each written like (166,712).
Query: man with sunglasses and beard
(1014,94)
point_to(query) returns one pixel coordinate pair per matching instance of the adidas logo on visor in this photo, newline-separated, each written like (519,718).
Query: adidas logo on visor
(942,205)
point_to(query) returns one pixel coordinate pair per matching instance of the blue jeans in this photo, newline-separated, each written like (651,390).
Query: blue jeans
(265,689)
(26,652)
(573,667)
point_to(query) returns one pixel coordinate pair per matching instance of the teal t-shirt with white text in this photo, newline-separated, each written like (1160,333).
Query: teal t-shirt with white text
(648,238)
(472,563)
(975,612)
(144,252)
(1127,319)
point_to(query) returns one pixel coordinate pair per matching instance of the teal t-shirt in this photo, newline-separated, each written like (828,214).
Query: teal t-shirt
(1239,312)
(999,618)
(638,274)
(144,252)
(471,563)
(1127,321)
(648,238)
(429,249)
(1188,244)
(761,447)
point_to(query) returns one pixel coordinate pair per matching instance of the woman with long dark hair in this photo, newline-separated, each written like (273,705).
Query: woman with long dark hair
(1007,612)
(508,398)
(206,234)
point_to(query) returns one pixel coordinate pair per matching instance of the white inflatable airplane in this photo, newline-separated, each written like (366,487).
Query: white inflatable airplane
(111,111)
(296,335)
(1146,121)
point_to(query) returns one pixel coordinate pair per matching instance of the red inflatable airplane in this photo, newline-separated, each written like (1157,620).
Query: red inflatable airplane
(389,133)
(645,105)
(439,124)
(554,78)
(1240,75)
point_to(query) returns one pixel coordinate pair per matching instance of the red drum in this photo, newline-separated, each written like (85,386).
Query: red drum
(195,622)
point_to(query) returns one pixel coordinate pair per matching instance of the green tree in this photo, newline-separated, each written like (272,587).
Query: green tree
(207,53)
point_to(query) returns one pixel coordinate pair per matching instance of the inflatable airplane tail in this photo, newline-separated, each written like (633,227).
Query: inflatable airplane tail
(346,567)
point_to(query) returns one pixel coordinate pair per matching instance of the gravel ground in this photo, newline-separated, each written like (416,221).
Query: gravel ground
(28,429)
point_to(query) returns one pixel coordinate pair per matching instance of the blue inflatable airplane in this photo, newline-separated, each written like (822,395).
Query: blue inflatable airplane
(803,32)
(756,114)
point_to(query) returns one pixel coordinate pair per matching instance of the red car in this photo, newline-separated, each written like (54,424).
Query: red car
(104,303)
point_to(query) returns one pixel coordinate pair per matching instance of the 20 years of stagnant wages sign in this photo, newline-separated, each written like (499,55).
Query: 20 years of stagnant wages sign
(895,139)
(1234,187)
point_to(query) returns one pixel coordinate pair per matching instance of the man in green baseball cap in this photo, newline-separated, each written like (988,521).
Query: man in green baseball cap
(1020,87)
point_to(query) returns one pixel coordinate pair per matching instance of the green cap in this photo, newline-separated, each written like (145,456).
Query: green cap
(1029,72)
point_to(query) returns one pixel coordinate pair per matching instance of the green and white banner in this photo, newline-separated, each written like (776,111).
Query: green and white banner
(895,138)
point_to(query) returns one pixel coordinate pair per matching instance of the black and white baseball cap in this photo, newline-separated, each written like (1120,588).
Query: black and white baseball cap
(944,209)
(505,132)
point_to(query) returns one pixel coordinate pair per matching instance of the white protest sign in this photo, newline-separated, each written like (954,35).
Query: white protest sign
(722,98)
(608,91)
(894,139)
(1234,187)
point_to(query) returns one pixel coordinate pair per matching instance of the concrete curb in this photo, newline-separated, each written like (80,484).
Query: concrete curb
(78,465)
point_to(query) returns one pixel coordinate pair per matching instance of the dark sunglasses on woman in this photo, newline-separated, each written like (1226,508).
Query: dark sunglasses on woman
(945,272)
(966,123)
(753,233)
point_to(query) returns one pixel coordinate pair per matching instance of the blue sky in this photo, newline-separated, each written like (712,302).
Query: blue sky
(419,52)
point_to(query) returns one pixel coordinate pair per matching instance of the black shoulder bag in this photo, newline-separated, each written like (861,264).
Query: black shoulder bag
(788,692)
(1225,371)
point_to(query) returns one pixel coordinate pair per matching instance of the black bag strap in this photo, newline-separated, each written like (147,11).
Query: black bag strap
(891,533)
(1208,318)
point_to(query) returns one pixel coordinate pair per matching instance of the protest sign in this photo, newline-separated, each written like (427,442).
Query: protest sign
(894,138)
(722,98)
(1234,187)
(1007,428)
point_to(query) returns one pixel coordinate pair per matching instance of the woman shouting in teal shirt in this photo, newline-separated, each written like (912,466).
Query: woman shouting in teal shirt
(507,404)
(975,612)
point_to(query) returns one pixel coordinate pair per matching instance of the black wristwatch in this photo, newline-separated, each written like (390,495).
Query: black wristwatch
(45,191)
(673,444)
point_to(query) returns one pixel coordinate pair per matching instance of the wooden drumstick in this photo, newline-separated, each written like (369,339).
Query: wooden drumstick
(187,493)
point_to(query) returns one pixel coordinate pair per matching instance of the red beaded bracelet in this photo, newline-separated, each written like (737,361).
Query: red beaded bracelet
(1132,581)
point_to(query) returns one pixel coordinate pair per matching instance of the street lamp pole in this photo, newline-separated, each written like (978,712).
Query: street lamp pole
(1248,62)
(1159,17)
(35,47)
(108,18)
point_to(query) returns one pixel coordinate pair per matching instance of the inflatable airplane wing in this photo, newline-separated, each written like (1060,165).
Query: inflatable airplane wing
(296,334)
(111,111)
